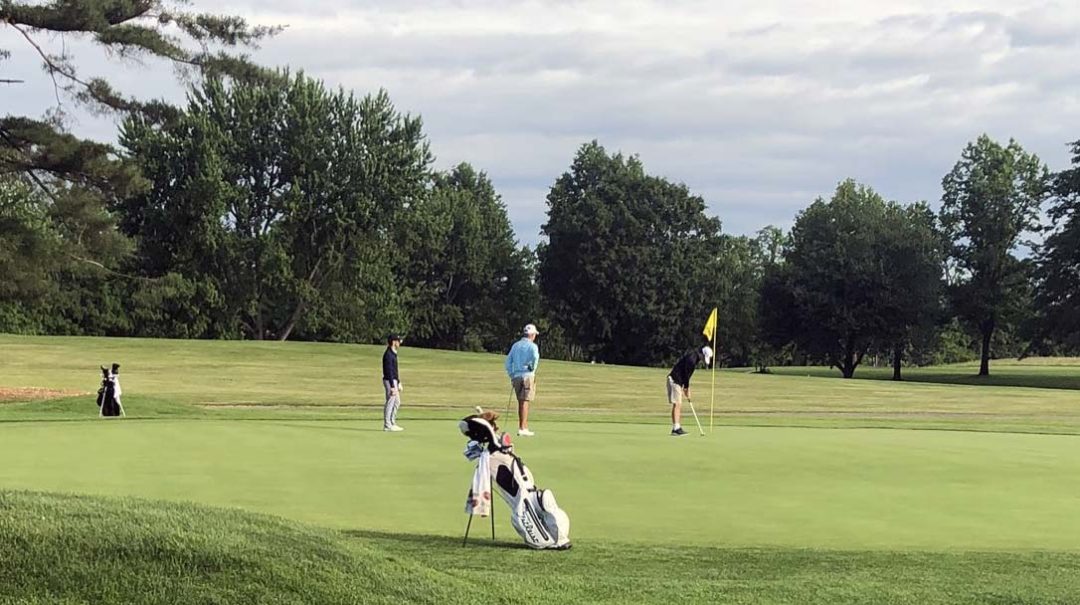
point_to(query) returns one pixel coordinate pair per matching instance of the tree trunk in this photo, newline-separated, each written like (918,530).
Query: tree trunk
(847,365)
(314,279)
(259,331)
(292,321)
(987,329)
(897,357)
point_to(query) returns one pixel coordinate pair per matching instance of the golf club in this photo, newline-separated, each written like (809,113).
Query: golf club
(694,412)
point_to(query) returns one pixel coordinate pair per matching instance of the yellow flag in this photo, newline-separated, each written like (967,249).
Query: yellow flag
(710,326)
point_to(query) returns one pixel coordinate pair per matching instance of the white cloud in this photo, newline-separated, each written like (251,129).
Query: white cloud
(757,105)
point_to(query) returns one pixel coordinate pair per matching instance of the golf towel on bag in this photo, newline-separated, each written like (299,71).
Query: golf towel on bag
(535,514)
(479,501)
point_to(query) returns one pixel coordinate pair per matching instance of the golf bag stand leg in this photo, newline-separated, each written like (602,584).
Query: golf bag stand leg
(467,527)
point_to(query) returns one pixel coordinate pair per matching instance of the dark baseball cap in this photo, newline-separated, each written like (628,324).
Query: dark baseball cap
(392,337)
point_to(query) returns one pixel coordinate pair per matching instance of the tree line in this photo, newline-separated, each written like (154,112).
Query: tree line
(268,206)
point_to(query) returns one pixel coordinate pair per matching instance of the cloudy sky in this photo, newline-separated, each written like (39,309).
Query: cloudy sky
(758,106)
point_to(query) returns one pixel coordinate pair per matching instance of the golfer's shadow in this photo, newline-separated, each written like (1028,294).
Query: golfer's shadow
(429,540)
(317,427)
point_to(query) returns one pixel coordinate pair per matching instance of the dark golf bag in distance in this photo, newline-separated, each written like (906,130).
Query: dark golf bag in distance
(108,397)
(534,513)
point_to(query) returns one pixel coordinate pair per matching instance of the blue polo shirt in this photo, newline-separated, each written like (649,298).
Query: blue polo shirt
(523,358)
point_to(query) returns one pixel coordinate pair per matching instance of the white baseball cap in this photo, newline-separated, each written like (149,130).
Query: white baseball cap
(530,329)
(708,354)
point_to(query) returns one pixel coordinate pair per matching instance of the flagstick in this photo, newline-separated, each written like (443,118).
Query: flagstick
(712,395)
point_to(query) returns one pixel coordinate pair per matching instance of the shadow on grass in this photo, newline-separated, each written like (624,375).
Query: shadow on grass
(1047,377)
(324,426)
(476,540)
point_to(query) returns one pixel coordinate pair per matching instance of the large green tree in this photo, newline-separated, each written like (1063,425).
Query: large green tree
(627,270)
(991,199)
(771,329)
(279,201)
(737,283)
(832,279)
(46,240)
(470,285)
(911,250)
(858,274)
(1057,292)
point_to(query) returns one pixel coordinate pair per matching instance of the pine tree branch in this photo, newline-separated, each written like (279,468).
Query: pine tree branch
(4,134)
(63,17)
(50,64)
(145,39)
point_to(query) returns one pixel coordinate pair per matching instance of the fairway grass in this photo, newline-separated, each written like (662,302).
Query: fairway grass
(230,379)
(807,490)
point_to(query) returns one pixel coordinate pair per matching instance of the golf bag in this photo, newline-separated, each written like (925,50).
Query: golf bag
(108,396)
(534,513)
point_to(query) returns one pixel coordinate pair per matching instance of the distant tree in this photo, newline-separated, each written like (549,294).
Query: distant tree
(735,285)
(911,250)
(991,199)
(469,284)
(627,272)
(769,242)
(826,297)
(1057,290)
(277,200)
(80,179)
(39,237)
(741,269)
(778,322)
(28,241)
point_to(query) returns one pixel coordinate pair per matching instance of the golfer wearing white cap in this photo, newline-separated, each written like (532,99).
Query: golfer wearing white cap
(521,365)
(678,383)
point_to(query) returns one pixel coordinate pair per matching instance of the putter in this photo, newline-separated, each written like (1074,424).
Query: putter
(509,400)
(694,412)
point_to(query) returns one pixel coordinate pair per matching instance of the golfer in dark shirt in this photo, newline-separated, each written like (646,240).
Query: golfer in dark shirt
(678,384)
(391,383)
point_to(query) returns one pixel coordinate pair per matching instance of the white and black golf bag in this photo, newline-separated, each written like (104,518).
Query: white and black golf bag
(108,396)
(534,513)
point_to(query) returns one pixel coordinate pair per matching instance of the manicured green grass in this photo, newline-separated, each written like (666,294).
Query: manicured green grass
(741,487)
(64,549)
(793,498)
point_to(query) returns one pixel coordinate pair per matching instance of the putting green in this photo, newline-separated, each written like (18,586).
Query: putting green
(844,489)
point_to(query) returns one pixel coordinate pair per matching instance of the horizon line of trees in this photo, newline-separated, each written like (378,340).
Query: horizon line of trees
(271,207)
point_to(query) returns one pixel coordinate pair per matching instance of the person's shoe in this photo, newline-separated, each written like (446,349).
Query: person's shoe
(525,433)
(393,429)
(679,432)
